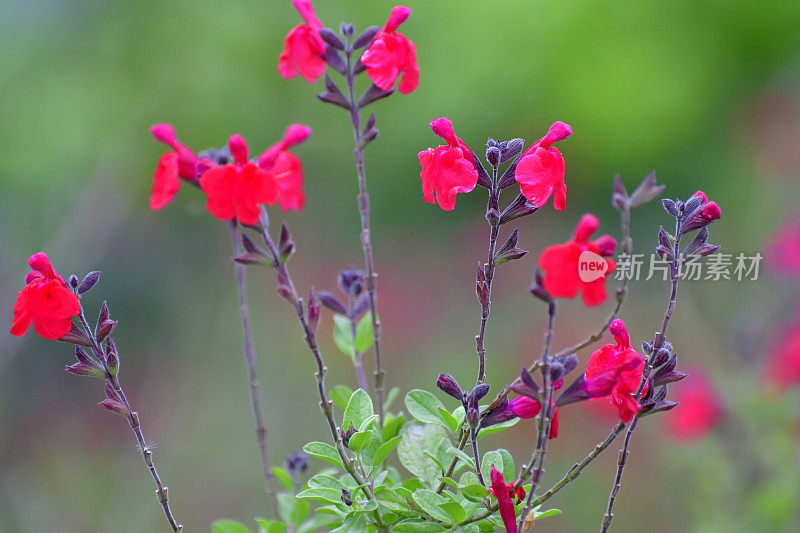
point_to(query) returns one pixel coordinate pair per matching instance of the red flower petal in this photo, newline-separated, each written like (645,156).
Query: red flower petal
(165,181)
(302,54)
(524,407)
(540,173)
(288,174)
(446,172)
(505,504)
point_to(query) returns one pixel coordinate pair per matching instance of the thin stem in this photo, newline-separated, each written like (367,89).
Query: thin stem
(357,362)
(545,418)
(660,338)
(474,438)
(290,294)
(132,417)
(366,242)
(486,308)
(240,272)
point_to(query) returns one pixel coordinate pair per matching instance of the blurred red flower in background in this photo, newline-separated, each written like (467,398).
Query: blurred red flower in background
(699,408)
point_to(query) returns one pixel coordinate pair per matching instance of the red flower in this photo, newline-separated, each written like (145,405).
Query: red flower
(286,168)
(783,368)
(698,409)
(303,47)
(180,162)
(540,171)
(45,301)
(392,54)
(614,371)
(579,265)
(501,491)
(525,407)
(236,190)
(706,214)
(446,170)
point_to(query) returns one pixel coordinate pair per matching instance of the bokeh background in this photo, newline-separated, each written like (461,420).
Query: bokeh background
(705,93)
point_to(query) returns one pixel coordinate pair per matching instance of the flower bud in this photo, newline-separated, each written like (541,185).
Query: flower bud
(330,301)
(497,415)
(73,281)
(479,392)
(88,282)
(296,463)
(84,369)
(493,156)
(351,281)
(447,384)
(313,312)
(347,497)
(347,434)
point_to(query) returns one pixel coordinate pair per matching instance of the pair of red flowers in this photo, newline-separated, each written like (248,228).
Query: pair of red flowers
(234,189)
(390,55)
(450,169)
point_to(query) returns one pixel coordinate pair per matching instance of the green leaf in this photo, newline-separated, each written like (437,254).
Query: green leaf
(364,336)
(424,406)
(385,449)
(469,461)
(367,422)
(392,427)
(354,522)
(359,440)
(418,526)
(454,510)
(545,514)
(324,481)
(284,477)
(292,510)
(411,451)
(340,394)
(228,526)
(368,453)
(390,398)
(322,495)
(508,464)
(449,419)
(358,409)
(343,336)
(475,492)
(270,526)
(431,503)
(323,451)
(491,458)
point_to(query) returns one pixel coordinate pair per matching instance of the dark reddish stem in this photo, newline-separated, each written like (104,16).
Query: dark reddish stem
(240,271)
(162,493)
(366,241)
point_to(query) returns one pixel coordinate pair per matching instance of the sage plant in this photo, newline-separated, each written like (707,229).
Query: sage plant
(446,482)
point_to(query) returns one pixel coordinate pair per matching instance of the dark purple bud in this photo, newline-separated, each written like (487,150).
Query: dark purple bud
(447,384)
(112,357)
(511,149)
(664,253)
(114,406)
(369,136)
(104,329)
(658,407)
(509,251)
(493,211)
(509,176)
(347,497)
(661,356)
(351,281)
(347,434)
(313,312)
(75,336)
(347,30)
(662,378)
(671,207)
(483,178)
(646,191)
(334,60)
(249,246)
(332,94)
(331,302)
(73,281)
(285,244)
(490,143)
(330,37)
(89,281)
(296,463)
(86,369)
(493,156)
(499,414)
(478,393)
(556,369)
(570,362)
(537,289)
(647,347)
(372,94)
(362,305)
(692,204)
(520,207)
(576,392)
(366,37)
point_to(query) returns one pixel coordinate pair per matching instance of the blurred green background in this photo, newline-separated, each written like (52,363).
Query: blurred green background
(706,93)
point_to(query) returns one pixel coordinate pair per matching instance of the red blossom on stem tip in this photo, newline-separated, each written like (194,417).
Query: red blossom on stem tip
(303,47)
(614,371)
(579,265)
(181,162)
(525,407)
(446,170)
(501,492)
(540,171)
(698,411)
(45,301)
(392,54)
(707,213)
(237,190)
(286,167)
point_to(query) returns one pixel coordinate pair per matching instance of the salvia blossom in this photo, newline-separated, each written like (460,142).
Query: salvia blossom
(286,168)
(579,265)
(698,411)
(505,501)
(46,302)
(525,407)
(303,47)
(173,166)
(615,371)
(783,367)
(540,171)
(706,213)
(446,170)
(392,54)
